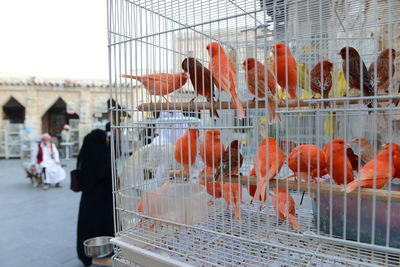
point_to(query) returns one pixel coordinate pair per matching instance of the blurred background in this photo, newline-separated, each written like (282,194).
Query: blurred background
(53,72)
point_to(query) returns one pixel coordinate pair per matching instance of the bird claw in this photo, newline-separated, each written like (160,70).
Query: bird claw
(210,202)
(325,180)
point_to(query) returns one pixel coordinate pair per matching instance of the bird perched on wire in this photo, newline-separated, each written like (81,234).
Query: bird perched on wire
(211,148)
(284,206)
(160,84)
(231,162)
(202,81)
(353,63)
(284,67)
(307,161)
(339,165)
(383,74)
(366,151)
(256,84)
(376,171)
(185,150)
(321,78)
(267,169)
(224,74)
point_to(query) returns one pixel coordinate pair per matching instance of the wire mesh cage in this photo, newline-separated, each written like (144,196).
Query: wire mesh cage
(261,136)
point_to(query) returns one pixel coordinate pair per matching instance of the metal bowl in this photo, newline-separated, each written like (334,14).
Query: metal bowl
(98,247)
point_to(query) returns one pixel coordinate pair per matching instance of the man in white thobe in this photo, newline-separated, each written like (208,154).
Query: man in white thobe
(48,159)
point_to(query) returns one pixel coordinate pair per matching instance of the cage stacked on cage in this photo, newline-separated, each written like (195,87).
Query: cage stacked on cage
(267,131)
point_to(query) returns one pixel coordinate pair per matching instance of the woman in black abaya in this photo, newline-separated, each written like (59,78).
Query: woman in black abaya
(96,206)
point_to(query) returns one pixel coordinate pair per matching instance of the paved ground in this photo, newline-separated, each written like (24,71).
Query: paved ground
(37,227)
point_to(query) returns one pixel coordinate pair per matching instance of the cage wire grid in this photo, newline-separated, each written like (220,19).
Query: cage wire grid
(232,244)
(149,36)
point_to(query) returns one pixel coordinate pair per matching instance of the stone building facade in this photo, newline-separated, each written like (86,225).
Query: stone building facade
(46,106)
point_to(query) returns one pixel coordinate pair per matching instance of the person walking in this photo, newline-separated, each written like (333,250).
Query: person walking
(96,206)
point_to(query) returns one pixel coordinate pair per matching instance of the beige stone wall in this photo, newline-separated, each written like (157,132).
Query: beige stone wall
(38,99)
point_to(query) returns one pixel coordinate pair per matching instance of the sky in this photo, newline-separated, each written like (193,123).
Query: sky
(54,39)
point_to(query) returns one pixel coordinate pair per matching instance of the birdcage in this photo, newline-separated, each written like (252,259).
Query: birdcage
(262,133)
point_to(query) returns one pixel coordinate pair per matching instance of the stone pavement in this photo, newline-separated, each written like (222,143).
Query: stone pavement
(37,227)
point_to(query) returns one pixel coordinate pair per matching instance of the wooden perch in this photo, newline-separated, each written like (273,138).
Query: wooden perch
(366,193)
(246,104)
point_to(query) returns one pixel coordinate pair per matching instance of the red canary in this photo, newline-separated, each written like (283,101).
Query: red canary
(211,148)
(321,78)
(378,169)
(307,160)
(233,195)
(182,146)
(214,189)
(337,160)
(266,170)
(224,74)
(285,68)
(160,84)
(231,162)
(351,63)
(396,160)
(201,80)
(249,66)
(284,206)
(383,73)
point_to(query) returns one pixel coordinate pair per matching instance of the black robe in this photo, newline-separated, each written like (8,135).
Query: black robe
(96,206)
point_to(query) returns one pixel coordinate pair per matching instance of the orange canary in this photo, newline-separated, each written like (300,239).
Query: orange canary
(233,195)
(396,159)
(160,84)
(307,160)
(249,66)
(214,189)
(338,157)
(182,146)
(211,148)
(285,68)
(378,169)
(267,169)
(224,74)
(284,206)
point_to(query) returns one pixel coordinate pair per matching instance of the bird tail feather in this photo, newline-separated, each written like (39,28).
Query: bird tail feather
(238,103)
